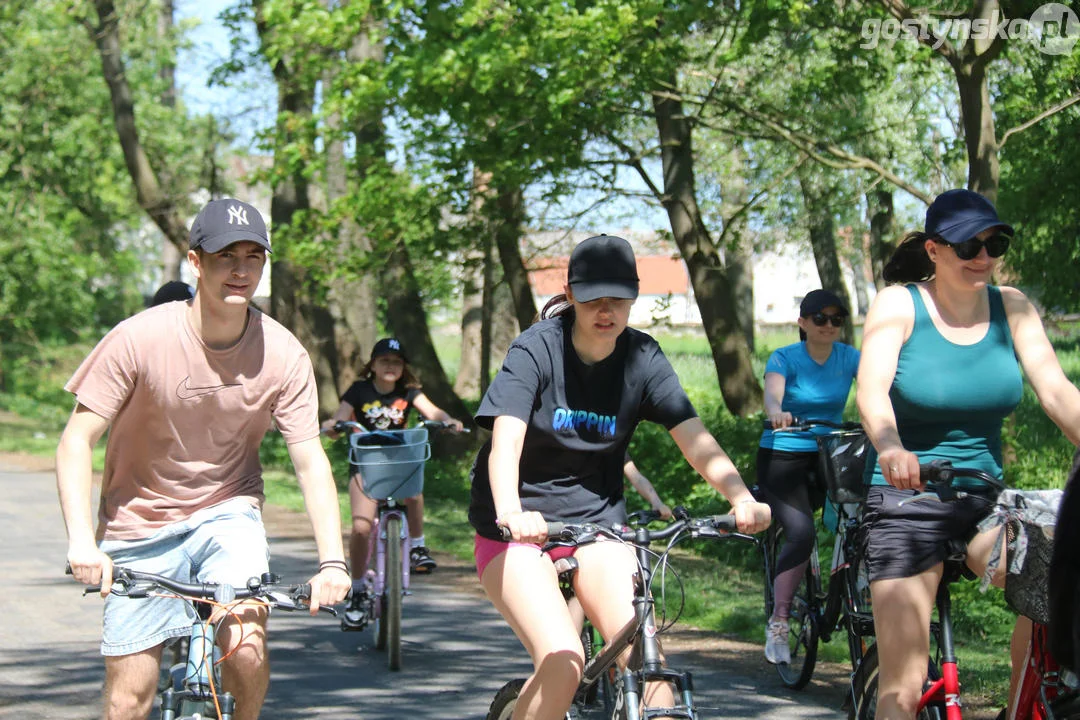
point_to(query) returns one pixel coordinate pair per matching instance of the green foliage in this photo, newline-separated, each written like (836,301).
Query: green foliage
(1046,248)
(71,254)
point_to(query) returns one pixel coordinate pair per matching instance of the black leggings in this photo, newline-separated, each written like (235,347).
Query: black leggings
(784,481)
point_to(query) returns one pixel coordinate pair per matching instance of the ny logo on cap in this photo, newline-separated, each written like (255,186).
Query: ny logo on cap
(394,345)
(238,213)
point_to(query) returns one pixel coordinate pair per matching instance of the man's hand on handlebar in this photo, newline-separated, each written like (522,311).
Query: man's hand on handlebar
(328,587)
(90,566)
(752,516)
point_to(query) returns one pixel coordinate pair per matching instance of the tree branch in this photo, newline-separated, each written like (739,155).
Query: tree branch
(1052,110)
(828,154)
(901,11)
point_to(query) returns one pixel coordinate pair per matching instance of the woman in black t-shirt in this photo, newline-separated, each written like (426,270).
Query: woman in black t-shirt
(381,400)
(562,410)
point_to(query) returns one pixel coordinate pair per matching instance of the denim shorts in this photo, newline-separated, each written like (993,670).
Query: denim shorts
(223,543)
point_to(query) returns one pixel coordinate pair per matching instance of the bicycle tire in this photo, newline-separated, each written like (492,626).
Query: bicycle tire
(803,630)
(803,634)
(394,593)
(502,706)
(866,694)
(380,625)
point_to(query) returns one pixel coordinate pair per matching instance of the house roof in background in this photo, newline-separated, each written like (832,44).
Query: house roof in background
(659,274)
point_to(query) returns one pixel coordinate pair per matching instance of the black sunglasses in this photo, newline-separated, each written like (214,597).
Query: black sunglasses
(820,318)
(996,245)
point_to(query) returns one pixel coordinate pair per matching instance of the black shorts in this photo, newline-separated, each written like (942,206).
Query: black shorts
(902,541)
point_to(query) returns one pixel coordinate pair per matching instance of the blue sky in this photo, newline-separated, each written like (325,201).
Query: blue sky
(247,105)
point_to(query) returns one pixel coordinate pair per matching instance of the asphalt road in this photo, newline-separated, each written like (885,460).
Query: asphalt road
(457,649)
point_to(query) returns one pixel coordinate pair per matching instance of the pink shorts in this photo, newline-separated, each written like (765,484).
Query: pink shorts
(485,550)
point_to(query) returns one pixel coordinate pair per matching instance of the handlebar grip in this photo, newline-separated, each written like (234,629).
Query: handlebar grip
(301,592)
(554,529)
(724,522)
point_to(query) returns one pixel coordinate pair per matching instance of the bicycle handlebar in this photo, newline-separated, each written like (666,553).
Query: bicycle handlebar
(803,424)
(581,534)
(938,477)
(138,584)
(345,425)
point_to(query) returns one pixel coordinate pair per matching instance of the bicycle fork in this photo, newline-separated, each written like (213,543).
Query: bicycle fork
(653,670)
(381,540)
(196,685)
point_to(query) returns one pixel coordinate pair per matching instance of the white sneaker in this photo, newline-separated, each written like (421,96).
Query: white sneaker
(776,643)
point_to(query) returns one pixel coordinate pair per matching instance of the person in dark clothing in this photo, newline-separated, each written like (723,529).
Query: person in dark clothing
(562,410)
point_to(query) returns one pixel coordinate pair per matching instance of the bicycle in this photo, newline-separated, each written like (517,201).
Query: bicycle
(625,688)
(391,463)
(941,698)
(816,612)
(1046,690)
(194,691)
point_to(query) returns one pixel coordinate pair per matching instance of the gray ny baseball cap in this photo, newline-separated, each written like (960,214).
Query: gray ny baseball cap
(226,221)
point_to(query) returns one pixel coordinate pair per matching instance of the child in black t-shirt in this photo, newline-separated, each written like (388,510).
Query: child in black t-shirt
(562,411)
(381,400)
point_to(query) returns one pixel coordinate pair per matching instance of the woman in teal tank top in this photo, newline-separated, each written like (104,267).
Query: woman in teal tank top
(937,377)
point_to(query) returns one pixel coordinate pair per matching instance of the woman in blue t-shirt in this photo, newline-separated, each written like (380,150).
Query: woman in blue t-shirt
(938,376)
(809,380)
(562,411)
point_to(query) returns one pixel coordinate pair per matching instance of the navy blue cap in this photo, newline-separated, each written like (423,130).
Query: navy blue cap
(603,266)
(224,222)
(958,215)
(388,346)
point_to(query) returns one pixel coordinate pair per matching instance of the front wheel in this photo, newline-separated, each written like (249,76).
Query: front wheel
(803,634)
(803,630)
(865,689)
(390,621)
(502,707)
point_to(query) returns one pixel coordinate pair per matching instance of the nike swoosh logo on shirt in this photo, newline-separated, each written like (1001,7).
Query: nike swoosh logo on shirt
(185,391)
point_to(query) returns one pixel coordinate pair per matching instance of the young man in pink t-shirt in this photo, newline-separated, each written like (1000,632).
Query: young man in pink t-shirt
(187,390)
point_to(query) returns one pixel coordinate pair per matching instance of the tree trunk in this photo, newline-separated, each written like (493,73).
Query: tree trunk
(160,207)
(979,134)
(467,382)
(487,312)
(739,387)
(823,243)
(408,319)
(351,302)
(740,268)
(292,296)
(509,203)
(879,204)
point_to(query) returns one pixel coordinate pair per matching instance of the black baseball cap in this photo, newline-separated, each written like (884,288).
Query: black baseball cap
(388,346)
(603,266)
(172,291)
(817,300)
(226,221)
(958,215)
